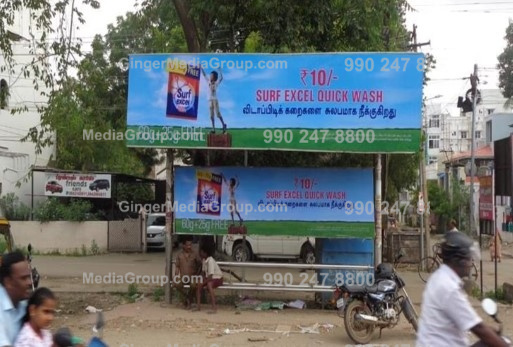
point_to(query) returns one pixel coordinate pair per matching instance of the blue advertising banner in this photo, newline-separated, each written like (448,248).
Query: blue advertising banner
(290,201)
(338,102)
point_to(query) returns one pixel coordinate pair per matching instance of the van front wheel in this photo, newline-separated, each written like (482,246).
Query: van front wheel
(241,253)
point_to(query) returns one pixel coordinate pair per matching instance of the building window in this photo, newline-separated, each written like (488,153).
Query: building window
(432,160)
(478,134)
(434,122)
(463,134)
(434,141)
(489,131)
(490,111)
(4,94)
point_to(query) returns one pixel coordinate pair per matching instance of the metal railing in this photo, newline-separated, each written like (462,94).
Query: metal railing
(308,287)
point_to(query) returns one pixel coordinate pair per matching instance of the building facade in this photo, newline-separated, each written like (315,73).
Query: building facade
(17,90)
(449,133)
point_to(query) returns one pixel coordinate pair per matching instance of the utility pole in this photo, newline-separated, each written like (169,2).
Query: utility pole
(425,242)
(169,223)
(473,82)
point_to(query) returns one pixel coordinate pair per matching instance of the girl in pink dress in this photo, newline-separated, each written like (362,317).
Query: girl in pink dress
(40,314)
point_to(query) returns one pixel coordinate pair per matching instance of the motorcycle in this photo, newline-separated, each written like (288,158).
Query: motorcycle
(380,305)
(64,338)
(490,307)
(34,275)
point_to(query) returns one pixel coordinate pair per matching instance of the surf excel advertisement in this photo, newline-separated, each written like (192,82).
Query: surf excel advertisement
(326,102)
(290,201)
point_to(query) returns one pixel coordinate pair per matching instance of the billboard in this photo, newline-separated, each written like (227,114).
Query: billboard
(73,185)
(289,201)
(485,198)
(329,102)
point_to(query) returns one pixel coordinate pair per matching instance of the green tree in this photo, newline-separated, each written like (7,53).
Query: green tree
(449,205)
(46,44)
(96,99)
(506,64)
(290,26)
(90,103)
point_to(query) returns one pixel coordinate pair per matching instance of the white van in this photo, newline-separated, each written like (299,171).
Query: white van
(272,247)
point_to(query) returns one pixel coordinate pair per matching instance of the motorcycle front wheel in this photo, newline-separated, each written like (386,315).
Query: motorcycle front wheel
(359,331)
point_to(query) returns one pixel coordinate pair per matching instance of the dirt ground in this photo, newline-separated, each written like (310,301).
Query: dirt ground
(151,323)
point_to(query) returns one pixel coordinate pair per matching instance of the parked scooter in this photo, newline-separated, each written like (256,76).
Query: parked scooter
(64,338)
(490,307)
(34,275)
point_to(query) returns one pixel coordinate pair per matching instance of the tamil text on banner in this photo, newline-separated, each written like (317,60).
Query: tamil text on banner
(330,102)
(78,185)
(274,201)
(485,198)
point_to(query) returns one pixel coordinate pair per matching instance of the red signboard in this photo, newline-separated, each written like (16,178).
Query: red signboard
(485,198)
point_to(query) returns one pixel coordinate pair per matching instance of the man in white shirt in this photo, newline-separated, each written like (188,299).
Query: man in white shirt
(446,313)
(15,289)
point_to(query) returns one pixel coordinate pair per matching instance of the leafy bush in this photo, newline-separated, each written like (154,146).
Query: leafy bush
(54,210)
(13,208)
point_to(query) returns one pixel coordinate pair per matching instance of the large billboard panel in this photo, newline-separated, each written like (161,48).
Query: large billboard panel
(329,102)
(274,201)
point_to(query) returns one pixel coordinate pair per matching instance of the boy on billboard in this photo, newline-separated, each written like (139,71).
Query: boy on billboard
(213,83)
(232,186)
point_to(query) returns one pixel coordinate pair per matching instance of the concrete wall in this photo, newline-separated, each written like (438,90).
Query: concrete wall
(66,237)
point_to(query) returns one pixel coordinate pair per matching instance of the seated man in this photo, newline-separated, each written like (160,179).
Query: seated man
(15,289)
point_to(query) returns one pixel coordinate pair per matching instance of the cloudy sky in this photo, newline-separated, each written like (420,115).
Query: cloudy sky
(461,33)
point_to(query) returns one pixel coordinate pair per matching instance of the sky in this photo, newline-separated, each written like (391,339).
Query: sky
(461,33)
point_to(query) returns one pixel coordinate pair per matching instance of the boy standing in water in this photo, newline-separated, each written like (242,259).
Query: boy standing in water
(213,83)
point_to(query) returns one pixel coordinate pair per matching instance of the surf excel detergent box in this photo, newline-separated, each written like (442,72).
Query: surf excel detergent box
(209,193)
(183,90)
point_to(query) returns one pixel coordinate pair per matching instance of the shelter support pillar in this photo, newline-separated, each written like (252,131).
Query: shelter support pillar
(379,234)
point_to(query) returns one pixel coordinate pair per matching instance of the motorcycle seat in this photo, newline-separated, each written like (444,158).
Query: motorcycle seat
(362,289)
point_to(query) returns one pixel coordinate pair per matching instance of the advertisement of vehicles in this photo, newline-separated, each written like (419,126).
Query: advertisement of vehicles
(327,102)
(78,185)
(274,201)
